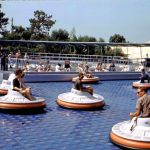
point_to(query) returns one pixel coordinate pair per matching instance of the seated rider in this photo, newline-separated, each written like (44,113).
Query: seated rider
(18,86)
(87,73)
(78,85)
(144,76)
(142,105)
(23,84)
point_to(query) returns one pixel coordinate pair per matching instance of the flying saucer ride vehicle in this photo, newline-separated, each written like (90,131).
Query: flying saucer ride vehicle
(15,100)
(93,79)
(133,134)
(138,84)
(6,84)
(80,100)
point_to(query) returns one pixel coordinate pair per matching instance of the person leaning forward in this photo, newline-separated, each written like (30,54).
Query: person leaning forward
(142,105)
(78,85)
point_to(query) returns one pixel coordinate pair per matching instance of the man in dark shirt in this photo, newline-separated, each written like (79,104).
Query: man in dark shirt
(142,105)
(67,66)
(78,85)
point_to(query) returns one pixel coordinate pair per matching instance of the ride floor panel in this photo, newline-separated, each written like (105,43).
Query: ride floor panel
(57,128)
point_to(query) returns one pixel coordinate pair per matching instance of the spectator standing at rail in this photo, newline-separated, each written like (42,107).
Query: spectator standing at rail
(26,57)
(4,62)
(18,57)
(10,56)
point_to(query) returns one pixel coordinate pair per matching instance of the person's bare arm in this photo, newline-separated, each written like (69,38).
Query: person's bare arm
(135,114)
(17,89)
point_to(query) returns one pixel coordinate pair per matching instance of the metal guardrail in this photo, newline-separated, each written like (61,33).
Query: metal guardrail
(75,59)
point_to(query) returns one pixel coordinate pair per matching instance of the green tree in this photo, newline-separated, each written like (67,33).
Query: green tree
(72,36)
(114,51)
(82,49)
(26,35)
(100,50)
(3,22)
(86,39)
(41,25)
(101,40)
(60,35)
(118,52)
(109,51)
(116,38)
(18,33)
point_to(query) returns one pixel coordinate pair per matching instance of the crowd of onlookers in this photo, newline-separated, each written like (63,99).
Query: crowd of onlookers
(67,66)
(18,60)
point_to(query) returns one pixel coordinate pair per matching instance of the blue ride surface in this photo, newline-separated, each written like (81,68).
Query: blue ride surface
(65,129)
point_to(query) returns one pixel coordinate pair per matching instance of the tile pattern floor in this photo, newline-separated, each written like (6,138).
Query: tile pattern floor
(64,129)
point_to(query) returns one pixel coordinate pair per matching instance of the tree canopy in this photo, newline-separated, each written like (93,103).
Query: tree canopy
(116,38)
(3,22)
(41,25)
(86,38)
(39,29)
(60,35)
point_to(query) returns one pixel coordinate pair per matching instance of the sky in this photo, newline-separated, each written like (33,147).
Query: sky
(96,18)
